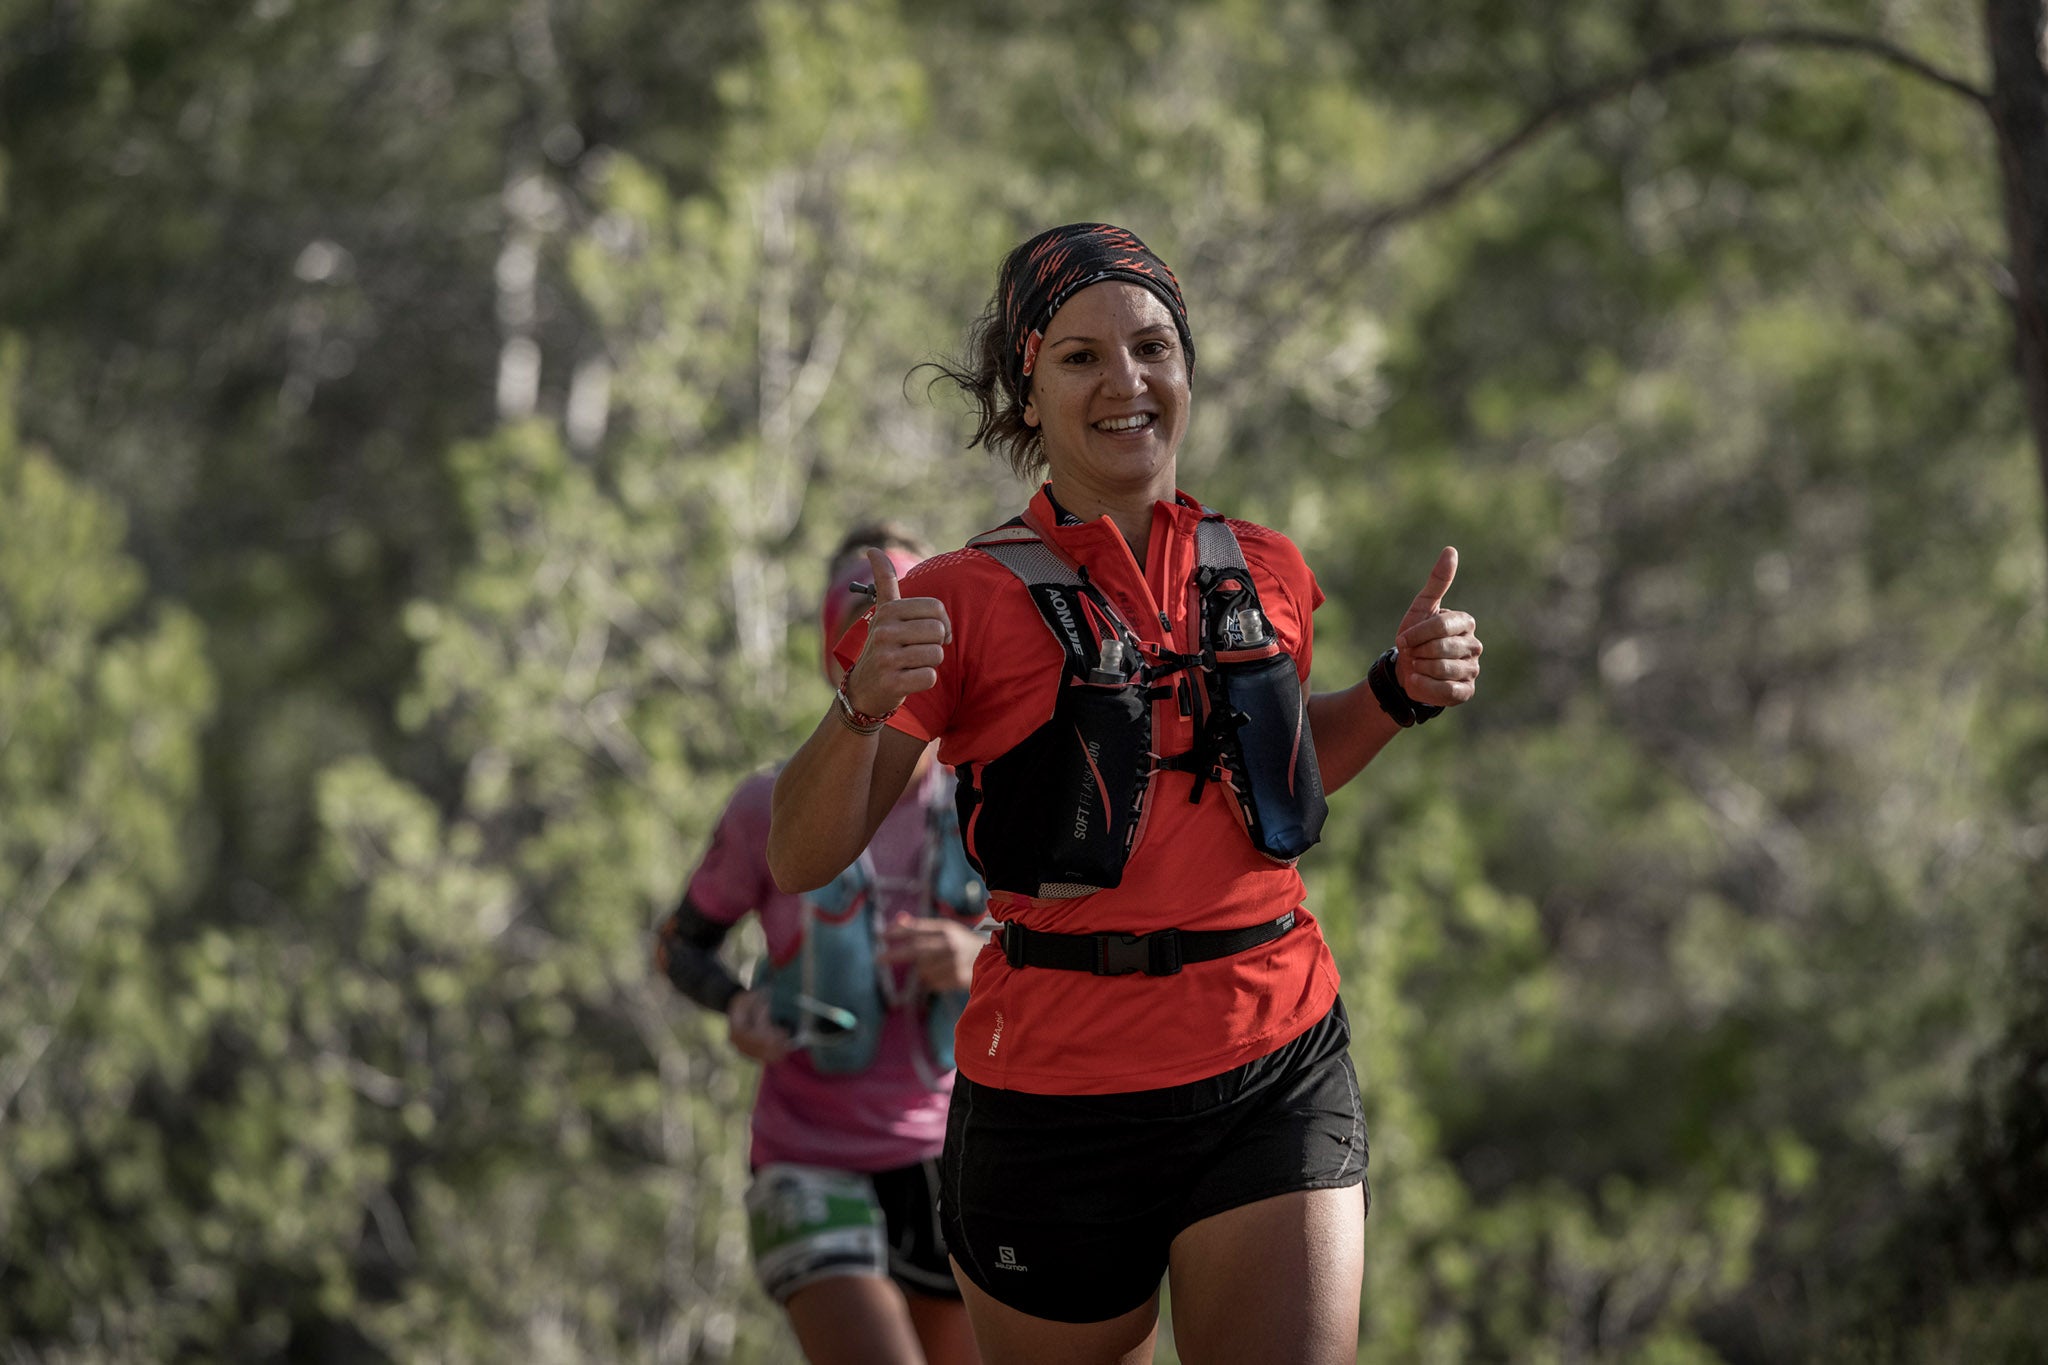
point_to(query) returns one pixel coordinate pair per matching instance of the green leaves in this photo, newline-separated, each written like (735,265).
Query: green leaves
(439,418)
(99,712)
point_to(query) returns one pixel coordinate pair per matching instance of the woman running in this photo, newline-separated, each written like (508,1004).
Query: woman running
(853,1024)
(1154,1062)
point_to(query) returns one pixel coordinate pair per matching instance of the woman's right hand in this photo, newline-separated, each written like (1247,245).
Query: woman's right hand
(907,639)
(834,792)
(754,1034)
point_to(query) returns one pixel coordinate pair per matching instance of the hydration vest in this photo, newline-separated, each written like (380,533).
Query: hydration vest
(1060,814)
(833,993)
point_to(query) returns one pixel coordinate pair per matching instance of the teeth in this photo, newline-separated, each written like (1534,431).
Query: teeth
(1125,423)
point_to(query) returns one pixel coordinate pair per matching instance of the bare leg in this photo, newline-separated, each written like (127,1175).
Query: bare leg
(944,1330)
(854,1320)
(1008,1337)
(1275,1280)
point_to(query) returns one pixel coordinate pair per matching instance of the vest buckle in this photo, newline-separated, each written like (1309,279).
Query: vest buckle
(1154,954)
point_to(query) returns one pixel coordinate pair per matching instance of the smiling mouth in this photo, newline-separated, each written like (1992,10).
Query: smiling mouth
(1135,422)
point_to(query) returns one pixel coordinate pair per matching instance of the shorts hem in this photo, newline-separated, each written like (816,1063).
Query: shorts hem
(967,1268)
(1238,1201)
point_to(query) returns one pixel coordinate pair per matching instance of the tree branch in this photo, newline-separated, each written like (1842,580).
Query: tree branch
(1367,232)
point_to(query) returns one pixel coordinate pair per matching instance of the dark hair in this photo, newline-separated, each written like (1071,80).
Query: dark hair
(882,535)
(983,375)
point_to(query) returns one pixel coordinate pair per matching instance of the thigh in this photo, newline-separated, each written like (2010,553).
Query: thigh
(1278,1279)
(1009,1336)
(943,1329)
(854,1320)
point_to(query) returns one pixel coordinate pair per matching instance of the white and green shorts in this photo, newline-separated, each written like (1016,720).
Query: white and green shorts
(808,1223)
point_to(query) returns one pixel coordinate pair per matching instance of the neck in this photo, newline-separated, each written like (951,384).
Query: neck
(1132,513)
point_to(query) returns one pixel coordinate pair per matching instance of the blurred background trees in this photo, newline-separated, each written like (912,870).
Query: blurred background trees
(421,433)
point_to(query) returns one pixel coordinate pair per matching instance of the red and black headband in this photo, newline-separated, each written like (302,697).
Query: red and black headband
(1041,275)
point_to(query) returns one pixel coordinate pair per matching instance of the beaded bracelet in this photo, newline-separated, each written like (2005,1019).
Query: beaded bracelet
(857,720)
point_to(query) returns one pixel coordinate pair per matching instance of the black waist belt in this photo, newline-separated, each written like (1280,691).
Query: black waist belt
(1156,954)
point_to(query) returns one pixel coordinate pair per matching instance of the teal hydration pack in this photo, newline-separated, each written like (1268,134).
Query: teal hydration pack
(834,992)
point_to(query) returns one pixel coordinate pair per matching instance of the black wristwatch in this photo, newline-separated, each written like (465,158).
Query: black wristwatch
(1386,688)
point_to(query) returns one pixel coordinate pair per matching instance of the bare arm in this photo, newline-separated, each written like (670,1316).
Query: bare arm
(1350,729)
(1438,665)
(831,797)
(833,794)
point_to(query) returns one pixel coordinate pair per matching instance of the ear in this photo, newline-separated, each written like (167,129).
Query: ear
(1030,412)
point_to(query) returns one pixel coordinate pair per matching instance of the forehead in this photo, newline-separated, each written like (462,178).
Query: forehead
(1111,308)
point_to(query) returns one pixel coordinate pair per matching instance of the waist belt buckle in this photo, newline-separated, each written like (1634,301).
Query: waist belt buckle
(1155,954)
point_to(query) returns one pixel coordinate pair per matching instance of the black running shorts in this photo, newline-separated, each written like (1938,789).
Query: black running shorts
(1065,1206)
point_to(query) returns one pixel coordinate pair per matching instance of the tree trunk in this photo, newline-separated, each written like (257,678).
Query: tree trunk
(2014,30)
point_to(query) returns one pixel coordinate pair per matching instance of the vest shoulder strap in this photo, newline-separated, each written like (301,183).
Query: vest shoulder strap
(1018,547)
(1216,544)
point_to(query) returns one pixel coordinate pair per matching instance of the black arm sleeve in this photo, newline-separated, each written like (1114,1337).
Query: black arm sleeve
(686,948)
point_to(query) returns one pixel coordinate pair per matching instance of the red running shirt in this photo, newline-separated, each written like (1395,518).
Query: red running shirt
(1070,1033)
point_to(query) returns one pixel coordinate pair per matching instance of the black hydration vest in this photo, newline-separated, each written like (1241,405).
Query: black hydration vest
(1059,815)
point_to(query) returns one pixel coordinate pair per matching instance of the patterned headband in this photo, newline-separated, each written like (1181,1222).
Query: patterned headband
(1042,274)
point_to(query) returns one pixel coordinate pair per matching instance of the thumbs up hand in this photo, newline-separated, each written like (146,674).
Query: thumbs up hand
(1438,662)
(907,639)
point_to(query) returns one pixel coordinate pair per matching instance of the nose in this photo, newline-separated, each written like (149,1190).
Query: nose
(1123,376)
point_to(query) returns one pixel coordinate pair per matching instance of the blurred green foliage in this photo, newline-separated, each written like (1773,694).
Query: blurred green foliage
(421,431)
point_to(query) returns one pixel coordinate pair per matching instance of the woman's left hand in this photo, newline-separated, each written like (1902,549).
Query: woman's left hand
(943,950)
(1438,663)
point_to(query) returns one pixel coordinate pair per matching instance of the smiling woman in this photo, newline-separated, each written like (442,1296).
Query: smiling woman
(1154,1072)
(1109,397)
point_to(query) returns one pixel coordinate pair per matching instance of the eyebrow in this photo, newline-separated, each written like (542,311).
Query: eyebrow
(1146,330)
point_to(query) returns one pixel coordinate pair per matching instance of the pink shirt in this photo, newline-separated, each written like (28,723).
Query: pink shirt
(881,1118)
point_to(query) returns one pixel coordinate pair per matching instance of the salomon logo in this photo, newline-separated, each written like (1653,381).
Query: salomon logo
(1006,1259)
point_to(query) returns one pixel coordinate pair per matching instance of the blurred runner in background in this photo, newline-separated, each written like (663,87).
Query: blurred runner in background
(852,1020)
